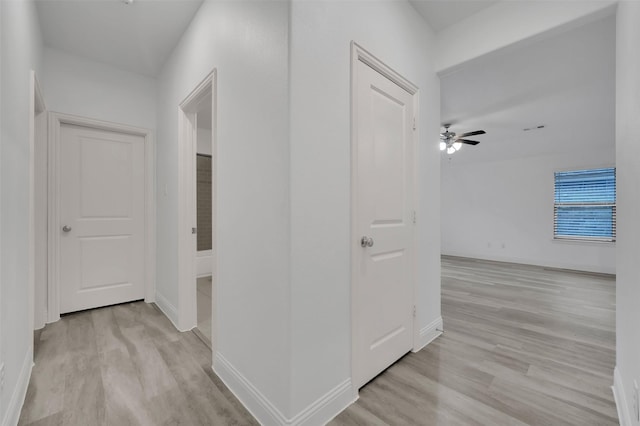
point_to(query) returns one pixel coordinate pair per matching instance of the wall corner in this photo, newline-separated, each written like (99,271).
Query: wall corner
(624,415)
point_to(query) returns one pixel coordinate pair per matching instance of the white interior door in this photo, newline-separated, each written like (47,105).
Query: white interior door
(384,219)
(102,217)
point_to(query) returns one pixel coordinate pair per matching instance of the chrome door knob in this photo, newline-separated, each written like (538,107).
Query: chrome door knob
(66,228)
(366,242)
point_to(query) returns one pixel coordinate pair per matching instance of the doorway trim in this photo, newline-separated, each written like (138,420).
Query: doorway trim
(37,141)
(359,54)
(56,120)
(187,210)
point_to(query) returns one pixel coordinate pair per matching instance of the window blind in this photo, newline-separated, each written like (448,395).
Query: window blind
(585,204)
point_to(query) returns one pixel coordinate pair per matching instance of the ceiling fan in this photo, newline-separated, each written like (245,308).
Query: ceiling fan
(451,143)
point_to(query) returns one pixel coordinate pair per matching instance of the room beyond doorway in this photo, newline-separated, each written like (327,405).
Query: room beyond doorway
(204,297)
(522,345)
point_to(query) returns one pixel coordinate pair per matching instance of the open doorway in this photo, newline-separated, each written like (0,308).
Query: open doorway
(197,211)
(503,208)
(204,219)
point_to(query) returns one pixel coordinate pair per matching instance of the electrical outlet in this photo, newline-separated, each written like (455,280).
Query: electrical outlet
(635,402)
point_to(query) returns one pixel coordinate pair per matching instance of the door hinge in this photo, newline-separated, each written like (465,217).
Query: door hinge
(194,230)
(414,311)
(414,123)
(414,216)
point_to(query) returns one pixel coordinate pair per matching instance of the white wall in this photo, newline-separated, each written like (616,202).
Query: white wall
(321,33)
(3,409)
(503,211)
(247,43)
(21,51)
(628,176)
(300,323)
(204,141)
(2,398)
(79,86)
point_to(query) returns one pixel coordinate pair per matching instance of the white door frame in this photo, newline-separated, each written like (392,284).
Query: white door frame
(359,54)
(187,209)
(56,120)
(37,139)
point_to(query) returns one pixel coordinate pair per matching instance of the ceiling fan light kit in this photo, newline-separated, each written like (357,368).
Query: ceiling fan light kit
(451,143)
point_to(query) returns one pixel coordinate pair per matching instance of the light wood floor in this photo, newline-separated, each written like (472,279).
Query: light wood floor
(125,365)
(523,345)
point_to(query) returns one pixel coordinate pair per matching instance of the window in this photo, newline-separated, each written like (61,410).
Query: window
(585,205)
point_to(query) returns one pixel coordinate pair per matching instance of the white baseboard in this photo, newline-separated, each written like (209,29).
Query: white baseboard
(319,412)
(16,402)
(204,263)
(254,401)
(167,309)
(428,333)
(535,262)
(39,323)
(326,407)
(624,415)
(40,319)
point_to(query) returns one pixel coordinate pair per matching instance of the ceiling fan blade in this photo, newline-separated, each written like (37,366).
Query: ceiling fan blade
(467,141)
(477,132)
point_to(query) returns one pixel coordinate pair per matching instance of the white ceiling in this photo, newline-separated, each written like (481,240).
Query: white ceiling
(440,14)
(565,82)
(140,36)
(136,37)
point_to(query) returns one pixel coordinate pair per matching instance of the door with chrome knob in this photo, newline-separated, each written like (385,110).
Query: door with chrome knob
(100,258)
(366,241)
(383,204)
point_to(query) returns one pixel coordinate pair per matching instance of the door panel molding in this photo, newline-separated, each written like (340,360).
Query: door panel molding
(55,122)
(360,55)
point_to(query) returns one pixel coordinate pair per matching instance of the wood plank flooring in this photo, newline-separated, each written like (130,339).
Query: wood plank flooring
(125,365)
(522,345)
